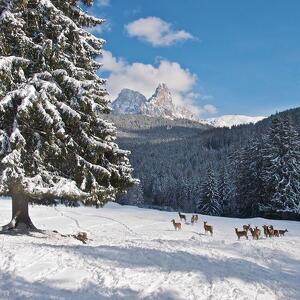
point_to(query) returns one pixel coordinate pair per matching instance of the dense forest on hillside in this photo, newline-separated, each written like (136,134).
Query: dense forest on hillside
(187,166)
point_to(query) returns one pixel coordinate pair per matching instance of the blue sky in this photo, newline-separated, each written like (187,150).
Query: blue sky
(223,57)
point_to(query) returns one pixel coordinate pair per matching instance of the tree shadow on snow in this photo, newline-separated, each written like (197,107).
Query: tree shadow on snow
(283,273)
(13,288)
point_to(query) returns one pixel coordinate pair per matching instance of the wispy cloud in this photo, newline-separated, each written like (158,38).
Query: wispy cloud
(156,31)
(146,77)
(210,109)
(102,3)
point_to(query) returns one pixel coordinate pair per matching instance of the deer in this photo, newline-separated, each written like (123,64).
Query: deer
(252,232)
(255,233)
(240,233)
(208,228)
(271,232)
(193,220)
(177,226)
(282,232)
(258,230)
(266,232)
(182,217)
(196,218)
(274,232)
(246,227)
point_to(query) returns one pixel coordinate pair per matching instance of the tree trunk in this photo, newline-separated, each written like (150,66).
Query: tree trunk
(20,211)
(20,216)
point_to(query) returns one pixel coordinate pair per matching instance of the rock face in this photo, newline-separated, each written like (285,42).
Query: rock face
(160,104)
(129,102)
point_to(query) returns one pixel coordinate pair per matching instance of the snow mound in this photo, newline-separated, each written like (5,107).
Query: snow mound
(112,205)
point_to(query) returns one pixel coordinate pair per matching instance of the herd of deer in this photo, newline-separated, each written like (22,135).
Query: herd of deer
(269,231)
(194,219)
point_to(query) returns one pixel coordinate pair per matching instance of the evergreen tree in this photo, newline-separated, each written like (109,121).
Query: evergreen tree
(250,192)
(209,203)
(225,189)
(53,142)
(281,174)
(134,196)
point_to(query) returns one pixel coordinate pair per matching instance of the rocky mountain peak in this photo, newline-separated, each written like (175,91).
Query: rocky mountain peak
(129,102)
(161,103)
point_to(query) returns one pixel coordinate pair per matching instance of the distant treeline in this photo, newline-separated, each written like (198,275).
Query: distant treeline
(249,170)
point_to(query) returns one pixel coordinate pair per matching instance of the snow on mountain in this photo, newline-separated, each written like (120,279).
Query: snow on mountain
(135,253)
(232,120)
(160,104)
(129,102)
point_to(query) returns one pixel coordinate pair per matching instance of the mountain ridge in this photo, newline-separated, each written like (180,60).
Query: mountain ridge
(161,104)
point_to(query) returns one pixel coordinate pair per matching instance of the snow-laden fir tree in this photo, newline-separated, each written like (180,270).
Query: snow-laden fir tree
(225,189)
(53,144)
(209,202)
(250,191)
(281,171)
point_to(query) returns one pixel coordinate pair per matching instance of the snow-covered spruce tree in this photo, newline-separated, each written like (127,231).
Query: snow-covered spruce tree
(250,192)
(209,203)
(225,189)
(53,143)
(281,172)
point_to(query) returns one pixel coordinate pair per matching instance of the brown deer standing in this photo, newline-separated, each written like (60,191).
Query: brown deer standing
(196,218)
(266,232)
(182,217)
(282,232)
(258,231)
(240,233)
(274,232)
(255,233)
(193,220)
(177,226)
(270,231)
(246,227)
(208,228)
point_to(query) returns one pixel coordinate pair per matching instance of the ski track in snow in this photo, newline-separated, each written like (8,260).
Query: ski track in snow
(136,254)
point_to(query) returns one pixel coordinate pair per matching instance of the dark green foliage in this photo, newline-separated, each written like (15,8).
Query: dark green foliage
(54,141)
(209,203)
(281,170)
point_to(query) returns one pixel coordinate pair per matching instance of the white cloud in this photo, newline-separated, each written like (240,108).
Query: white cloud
(210,109)
(102,3)
(156,31)
(144,78)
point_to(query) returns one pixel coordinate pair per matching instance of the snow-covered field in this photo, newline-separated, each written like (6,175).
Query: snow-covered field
(136,254)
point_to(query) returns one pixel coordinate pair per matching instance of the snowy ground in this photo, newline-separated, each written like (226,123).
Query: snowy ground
(136,254)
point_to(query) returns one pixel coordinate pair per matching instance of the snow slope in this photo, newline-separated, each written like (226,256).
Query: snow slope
(136,254)
(232,120)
